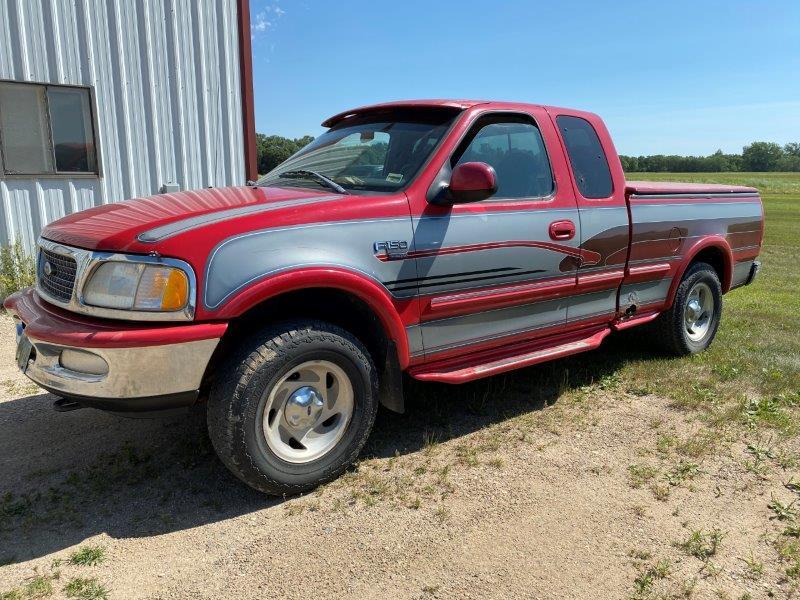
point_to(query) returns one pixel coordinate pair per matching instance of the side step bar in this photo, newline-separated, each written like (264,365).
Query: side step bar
(513,357)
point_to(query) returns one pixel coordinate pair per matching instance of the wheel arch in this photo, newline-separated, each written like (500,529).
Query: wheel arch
(321,281)
(342,297)
(713,250)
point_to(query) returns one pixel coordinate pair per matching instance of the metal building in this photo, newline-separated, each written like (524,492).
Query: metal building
(103,100)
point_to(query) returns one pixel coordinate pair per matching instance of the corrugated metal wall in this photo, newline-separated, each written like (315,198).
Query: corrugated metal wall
(167,94)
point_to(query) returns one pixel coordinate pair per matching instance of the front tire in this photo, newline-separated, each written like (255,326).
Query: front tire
(294,407)
(690,325)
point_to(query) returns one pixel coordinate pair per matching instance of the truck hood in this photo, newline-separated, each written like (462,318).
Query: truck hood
(113,227)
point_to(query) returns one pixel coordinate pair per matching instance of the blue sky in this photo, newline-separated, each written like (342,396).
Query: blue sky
(669,77)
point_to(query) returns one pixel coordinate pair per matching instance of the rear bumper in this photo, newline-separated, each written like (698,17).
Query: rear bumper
(123,367)
(755,269)
(744,273)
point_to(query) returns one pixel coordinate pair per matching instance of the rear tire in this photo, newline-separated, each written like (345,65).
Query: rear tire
(294,407)
(690,325)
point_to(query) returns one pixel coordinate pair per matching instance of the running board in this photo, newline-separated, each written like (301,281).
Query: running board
(514,357)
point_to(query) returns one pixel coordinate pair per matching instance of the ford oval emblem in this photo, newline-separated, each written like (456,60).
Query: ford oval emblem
(48,268)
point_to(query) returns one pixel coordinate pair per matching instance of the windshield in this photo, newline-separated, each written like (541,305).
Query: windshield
(378,153)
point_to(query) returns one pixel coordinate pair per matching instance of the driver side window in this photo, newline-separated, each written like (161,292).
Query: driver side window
(515,150)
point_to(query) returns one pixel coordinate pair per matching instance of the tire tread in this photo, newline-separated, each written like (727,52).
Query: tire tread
(229,400)
(667,330)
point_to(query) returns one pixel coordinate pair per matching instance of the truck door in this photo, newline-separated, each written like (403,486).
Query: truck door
(498,271)
(604,232)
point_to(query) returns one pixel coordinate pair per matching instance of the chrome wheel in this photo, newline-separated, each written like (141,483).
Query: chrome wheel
(698,314)
(307,411)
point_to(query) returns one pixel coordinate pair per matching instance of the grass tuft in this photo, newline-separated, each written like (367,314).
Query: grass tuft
(639,474)
(17,269)
(781,511)
(88,556)
(40,586)
(701,544)
(85,588)
(647,578)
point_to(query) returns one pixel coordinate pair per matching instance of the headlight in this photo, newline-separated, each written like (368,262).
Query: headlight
(137,286)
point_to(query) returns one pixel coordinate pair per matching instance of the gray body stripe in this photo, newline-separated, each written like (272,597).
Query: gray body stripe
(343,244)
(443,348)
(171,229)
(240,260)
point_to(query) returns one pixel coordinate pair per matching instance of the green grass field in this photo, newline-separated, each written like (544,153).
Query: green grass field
(756,356)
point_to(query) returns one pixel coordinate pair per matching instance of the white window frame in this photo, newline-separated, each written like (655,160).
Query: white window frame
(94,174)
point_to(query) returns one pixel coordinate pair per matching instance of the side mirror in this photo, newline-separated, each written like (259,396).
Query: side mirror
(472,182)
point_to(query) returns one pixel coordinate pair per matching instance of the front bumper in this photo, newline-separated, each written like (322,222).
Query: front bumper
(119,366)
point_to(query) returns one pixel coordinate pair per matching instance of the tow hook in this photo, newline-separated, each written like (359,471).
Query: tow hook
(66,405)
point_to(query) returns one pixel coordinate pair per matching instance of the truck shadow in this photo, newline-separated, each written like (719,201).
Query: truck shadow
(65,477)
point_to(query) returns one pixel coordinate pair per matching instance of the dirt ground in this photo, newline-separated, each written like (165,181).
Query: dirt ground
(478,491)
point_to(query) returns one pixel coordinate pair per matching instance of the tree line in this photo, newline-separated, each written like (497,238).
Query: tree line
(758,156)
(272,150)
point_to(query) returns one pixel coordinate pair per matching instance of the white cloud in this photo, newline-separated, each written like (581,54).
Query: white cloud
(261,24)
(266,19)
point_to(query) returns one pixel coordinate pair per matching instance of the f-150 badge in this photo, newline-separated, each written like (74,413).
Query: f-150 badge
(391,248)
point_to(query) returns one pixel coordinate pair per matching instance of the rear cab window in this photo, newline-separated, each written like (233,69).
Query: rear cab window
(586,157)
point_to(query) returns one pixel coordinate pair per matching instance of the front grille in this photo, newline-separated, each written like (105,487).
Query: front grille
(57,279)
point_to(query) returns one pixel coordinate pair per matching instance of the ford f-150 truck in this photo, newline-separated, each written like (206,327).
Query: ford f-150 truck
(445,240)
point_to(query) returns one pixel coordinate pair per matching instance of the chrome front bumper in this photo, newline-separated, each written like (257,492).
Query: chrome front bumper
(119,379)
(130,373)
(122,368)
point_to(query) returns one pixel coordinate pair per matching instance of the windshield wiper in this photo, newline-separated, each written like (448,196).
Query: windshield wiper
(313,175)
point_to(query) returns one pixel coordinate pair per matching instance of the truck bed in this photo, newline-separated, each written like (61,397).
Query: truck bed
(651,188)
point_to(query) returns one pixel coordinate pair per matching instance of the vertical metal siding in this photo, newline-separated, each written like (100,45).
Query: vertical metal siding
(165,76)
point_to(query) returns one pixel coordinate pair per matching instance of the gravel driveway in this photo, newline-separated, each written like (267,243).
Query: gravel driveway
(511,487)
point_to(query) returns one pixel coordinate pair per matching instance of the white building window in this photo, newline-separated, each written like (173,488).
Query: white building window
(46,129)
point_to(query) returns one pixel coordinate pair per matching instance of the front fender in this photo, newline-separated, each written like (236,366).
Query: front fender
(371,292)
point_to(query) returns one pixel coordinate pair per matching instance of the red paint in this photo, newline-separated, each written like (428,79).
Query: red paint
(698,190)
(588,257)
(618,196)
(648,272)
(391,312)
(746,254)
(713,241)
(51,324)
(562,230)
(473,179)
(594,282)
(485,348)
(403,104)
(115,226)
(439,306)
(510,358)
(667,250)
(246,87)
(639,319)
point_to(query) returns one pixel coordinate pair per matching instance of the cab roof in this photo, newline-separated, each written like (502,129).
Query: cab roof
(429,103)
(400,104)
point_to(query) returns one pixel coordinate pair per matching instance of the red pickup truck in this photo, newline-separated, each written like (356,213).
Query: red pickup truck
(448,240)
